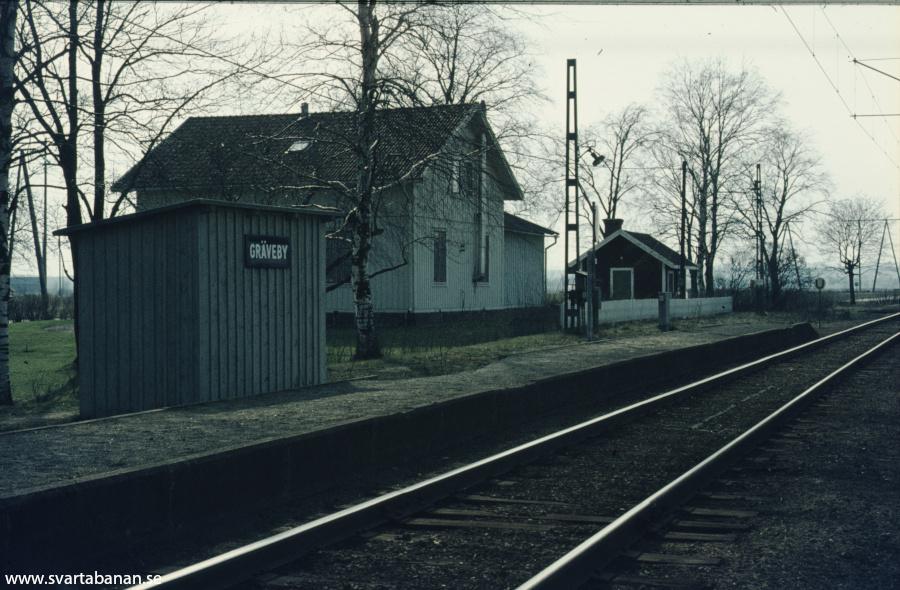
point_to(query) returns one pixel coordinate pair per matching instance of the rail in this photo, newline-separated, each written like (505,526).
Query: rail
(232,567)
(577,566)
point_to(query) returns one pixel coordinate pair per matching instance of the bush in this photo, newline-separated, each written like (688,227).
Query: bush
(29,307)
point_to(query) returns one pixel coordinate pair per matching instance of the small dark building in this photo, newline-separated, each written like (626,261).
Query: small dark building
(633,265)
(199,301)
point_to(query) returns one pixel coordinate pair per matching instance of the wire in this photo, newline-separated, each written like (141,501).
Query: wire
(864,79)
(836,89)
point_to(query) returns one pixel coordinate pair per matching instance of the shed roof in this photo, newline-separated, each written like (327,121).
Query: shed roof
(650,245)
(256,150)
(523,226)
(668,253)
(327,212)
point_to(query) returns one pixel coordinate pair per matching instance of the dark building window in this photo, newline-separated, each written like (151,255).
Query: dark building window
(337,260)
(621,283)
(440,256)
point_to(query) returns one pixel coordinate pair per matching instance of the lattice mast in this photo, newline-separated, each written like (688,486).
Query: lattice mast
(572,245)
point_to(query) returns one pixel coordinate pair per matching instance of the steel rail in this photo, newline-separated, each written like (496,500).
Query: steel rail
(232,567)
(593,554)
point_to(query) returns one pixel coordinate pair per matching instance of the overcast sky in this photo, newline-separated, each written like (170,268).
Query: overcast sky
(622,51)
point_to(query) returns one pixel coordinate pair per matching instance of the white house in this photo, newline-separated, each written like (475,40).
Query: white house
(443,243)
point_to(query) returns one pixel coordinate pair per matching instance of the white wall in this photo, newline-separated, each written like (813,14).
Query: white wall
(647,309)
(437,208)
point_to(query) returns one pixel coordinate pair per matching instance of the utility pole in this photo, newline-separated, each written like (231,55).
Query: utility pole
(794,255)
(682,273)
(571,294)
(757,186)
(44,232)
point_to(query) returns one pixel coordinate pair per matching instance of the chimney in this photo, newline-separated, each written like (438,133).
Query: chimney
(611,226)
(304,110)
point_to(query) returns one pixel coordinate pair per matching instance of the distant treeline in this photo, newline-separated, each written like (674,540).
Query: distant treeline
(30,307)
(31,285)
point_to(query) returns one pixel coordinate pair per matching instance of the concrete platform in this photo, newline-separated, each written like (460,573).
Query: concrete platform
(98,482)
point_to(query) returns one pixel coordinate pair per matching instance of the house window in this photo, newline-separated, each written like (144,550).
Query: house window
(621,283)
(337,261)
(440,256)
(455,181)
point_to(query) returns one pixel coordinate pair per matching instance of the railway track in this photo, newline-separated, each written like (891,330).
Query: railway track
(496,522)
(812,506)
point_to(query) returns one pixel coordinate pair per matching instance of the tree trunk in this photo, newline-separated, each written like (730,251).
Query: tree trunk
(774,276)
(68,156)
(8,10)
(852,290)
(367,345)
(99,114)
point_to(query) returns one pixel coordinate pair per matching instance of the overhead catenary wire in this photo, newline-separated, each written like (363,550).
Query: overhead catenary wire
(835,88)
(864,79)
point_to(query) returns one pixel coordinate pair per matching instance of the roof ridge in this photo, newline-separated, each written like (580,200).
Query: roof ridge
(336,112)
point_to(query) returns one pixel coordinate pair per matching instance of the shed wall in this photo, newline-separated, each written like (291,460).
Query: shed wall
(138,315)
(170,315)
(261,329)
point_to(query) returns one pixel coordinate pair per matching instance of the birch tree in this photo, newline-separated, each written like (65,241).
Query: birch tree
(8,13)
(398,56)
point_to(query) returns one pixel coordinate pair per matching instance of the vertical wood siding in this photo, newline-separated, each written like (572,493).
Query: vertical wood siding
(523,269)
(169,315)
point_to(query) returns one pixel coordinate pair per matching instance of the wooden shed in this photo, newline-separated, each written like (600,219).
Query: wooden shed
(198,301)
(633,265)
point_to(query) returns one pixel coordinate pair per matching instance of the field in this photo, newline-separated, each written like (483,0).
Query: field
(41,370)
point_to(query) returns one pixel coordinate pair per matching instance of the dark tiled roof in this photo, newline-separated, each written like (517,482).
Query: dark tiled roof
(660,248)
(517,224)
(215,152)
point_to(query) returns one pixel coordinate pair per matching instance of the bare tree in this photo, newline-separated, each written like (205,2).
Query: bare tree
(620,140)
(150,65)
(8,13)
(403,55)
(354,77)
(792,184)
(462,53)
(850,226)
(712,115)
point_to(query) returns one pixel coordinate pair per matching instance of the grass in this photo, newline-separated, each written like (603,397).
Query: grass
(41,356)
(439,350)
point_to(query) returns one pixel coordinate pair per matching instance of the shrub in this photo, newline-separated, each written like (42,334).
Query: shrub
(30,307)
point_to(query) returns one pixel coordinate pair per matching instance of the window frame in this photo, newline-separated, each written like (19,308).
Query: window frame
(434,256)
(612,284)
(329,278)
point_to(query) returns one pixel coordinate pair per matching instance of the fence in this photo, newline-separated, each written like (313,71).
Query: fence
(627,310)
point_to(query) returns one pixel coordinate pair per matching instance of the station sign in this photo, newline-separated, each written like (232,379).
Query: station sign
(267,251)
(820,283)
